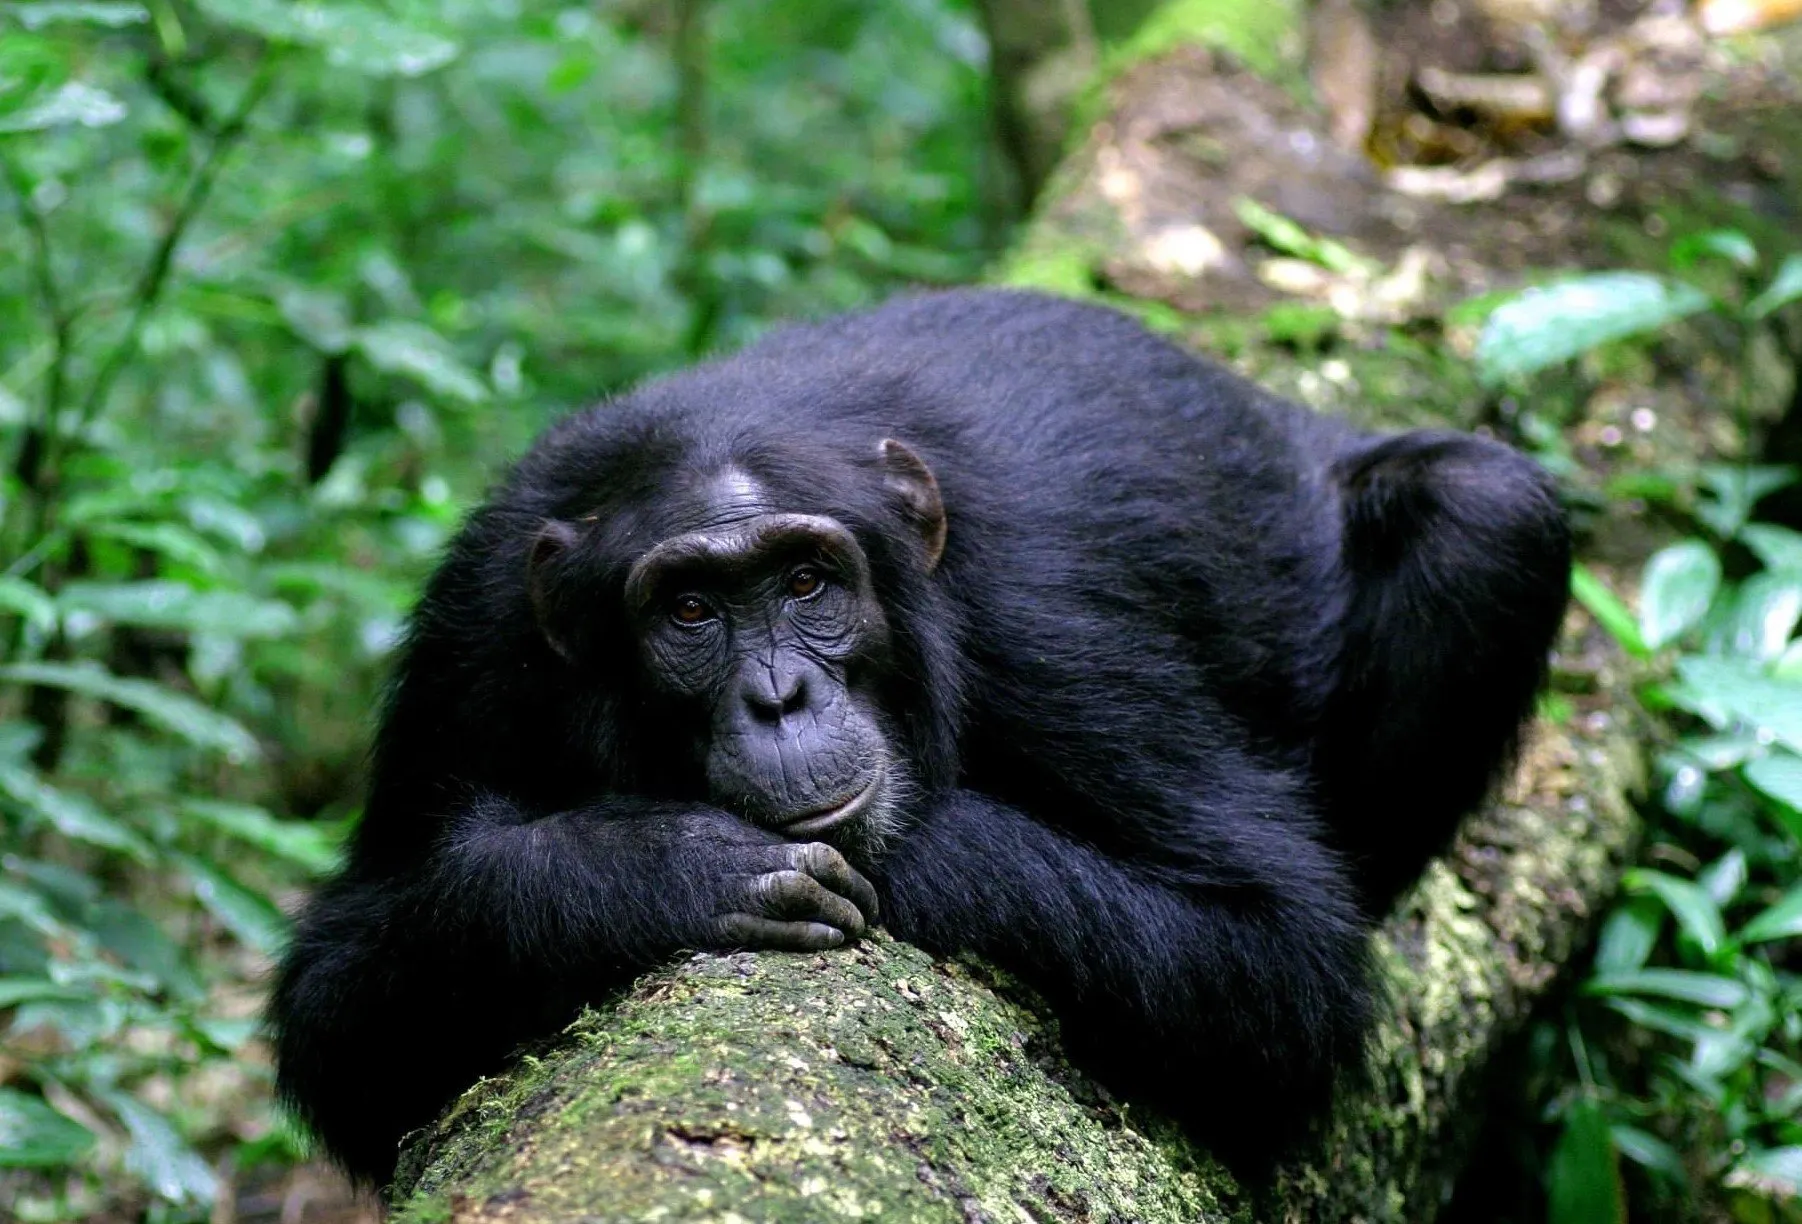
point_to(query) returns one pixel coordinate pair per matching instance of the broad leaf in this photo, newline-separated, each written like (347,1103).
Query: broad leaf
(1583,1182)
(1738,689)
(159,1156)
(29,602)
(1779,548)
(253,918)
(1765,612)
(1695,912)
(1629,936)
(421,354)
(35,1136)
(1730,245)
(1610,613)
(311,844)
(1785,287)
(180,715)
(1546,326)
(1681,985)
(1679,584)
(1783,920)
(164,604)
(1723,879)
(1734,489)
(351,36)
(73,103)
(1778,775)
(1773,1171)
(1649,1152)
(72,814)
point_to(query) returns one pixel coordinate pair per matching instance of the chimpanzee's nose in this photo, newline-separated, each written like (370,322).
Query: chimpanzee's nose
(772,694)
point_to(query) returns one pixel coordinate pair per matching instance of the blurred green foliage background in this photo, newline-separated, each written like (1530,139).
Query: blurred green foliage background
(280,289)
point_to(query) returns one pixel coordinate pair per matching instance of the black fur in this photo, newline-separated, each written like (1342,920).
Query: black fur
(1200,683)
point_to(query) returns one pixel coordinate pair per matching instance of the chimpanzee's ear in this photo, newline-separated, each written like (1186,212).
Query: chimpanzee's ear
(553,540)
(906,475)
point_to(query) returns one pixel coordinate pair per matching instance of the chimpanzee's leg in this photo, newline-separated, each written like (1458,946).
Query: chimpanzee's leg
(1459,561)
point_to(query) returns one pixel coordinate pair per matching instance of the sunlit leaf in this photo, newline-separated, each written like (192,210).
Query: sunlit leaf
(166,604)
(1778,775)
(310,844)
(48,12)
(1783,920)
(1785,287)
(1723,878)
(35,1136)
(1629,936)
(17,990)
(1739,689)
(1734,489)
(1659,1018)
(1730,245)
(318,316)
(29,602)
(351,36)
(1681,985)
(1694,910)
(1777,547)
(1610,613)
(72,103)
(1583,1181)
(1765,612)
(1773,1171)
(72,814)
(180,715)
(1546,326)
(170,540)
(1679,584)
(419,353)
(1649,1152)
(253,918)
(159,1156)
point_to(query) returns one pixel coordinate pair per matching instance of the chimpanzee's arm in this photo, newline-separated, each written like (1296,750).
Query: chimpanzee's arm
(400,992)
(1232,988)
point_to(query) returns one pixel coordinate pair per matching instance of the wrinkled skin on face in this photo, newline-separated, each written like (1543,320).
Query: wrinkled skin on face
(767,628)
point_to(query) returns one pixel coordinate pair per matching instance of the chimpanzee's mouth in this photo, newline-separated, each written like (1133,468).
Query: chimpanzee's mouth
(819,821)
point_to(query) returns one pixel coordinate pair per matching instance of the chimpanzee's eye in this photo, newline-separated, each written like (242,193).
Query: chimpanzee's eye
(805,582)
(690,610)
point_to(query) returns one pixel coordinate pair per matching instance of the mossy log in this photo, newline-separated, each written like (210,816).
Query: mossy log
(876,1082)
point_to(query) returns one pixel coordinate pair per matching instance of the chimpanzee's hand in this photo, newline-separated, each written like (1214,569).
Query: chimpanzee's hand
(792,896)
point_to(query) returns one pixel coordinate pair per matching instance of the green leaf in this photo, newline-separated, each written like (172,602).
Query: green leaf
(73,103)
(1738,689)
(73,815)
(1609,612)
(17,990)
(29,602)
(1629,936)
(1648,1151)
(351,36)
(158,1154)
(1765,612)
(1730,245)
(318,316)
(179,715)
(1681,985)
(1772,1171)
(419,353)
(310,844)
(1723,879)
(1779,548)
(1679,584)
(1694,910)
(1785,287)
(1783,920)
(1735,488)
(1658,1018)
(1281,234)
(112,15)
(165,604)
(35,1136)
(1779,776)
(252,917)
(1583,1181)
(170,540)
(1546,326)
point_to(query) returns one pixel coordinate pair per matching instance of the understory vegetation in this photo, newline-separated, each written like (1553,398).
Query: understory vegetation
(279,290)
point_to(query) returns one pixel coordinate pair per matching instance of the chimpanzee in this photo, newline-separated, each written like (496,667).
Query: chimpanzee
(985,615)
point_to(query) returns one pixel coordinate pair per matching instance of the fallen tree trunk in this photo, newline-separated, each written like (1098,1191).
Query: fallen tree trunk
(876,1082)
